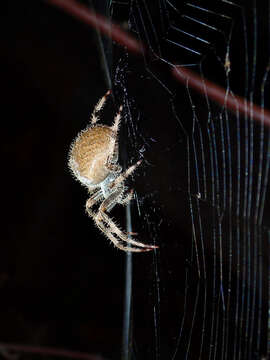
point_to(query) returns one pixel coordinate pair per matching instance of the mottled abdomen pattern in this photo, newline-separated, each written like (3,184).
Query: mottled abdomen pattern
(89,153)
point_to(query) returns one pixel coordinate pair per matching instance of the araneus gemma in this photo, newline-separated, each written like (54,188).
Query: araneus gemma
(93,159)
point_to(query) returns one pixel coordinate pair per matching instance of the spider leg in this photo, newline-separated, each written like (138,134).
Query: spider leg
(112,200)
(114,240)
(107,226)
(92,201)
(117,121)
(107,205)
(127,198)
(112,159)
(98,108)
(122,177)
(124,237)
(116,198)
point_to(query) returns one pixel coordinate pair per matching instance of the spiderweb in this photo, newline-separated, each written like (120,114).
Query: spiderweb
(203,191)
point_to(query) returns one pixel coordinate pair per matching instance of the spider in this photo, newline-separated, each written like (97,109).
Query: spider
(93,159)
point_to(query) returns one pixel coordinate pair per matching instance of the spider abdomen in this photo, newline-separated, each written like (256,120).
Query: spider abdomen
(90,152)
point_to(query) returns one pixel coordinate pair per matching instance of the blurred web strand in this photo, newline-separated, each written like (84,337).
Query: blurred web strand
(127,314)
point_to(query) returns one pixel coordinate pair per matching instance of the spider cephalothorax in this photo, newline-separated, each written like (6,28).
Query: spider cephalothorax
(93,159)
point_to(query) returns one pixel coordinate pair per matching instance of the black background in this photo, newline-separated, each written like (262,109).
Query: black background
(61,281)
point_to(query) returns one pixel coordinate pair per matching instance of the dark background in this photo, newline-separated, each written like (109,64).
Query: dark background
(61,281)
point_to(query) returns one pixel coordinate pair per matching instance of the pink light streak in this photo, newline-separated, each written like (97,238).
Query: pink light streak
(218,94)
(215,92)
(89,17)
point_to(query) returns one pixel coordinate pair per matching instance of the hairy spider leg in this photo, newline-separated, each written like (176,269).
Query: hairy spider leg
(124,237)
(98,220)
(109,203)
(97,196)
(117,121)
(98,108)
(109,226)
(114,240)
(112,159)
(117,243)
(119,199)
(122,177)
(127,198)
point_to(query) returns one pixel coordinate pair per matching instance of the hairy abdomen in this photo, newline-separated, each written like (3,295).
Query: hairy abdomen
(89,154)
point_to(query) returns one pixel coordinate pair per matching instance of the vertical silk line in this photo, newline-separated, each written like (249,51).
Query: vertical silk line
(127,311)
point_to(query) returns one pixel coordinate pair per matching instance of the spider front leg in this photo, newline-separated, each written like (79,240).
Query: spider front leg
(112,159)
(98,108)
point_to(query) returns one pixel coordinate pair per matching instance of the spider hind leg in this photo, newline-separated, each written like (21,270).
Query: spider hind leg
(111,228)
(109,234)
